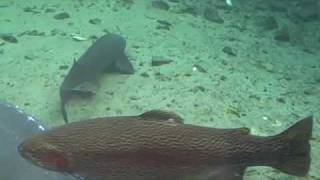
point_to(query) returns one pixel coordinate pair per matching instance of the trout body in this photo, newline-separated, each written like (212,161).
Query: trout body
(156,146)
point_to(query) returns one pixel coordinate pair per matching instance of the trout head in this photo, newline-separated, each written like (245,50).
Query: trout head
(43,154)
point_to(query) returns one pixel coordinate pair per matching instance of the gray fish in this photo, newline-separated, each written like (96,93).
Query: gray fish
(105,55)
(16,126)
(156,145)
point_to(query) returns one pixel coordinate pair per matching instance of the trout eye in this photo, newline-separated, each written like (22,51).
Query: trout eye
(54,161)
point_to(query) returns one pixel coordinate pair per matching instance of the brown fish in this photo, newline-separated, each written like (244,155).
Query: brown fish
(156,145)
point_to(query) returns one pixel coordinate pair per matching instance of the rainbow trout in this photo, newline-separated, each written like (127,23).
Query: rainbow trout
(156,145)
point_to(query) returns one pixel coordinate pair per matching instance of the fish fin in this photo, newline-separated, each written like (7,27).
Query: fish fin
(224,173)
(123,65)
(64,112)
(162,116)
(296,158)
(64,98)
(65,95)
(240,131)
(86,88)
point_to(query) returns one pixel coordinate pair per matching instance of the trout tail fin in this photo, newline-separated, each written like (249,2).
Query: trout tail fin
(294,158)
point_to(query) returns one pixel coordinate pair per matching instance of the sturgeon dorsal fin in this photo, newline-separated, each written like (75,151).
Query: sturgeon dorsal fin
(161,116)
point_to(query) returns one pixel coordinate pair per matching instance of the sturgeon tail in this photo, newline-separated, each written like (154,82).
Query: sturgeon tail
(294,157)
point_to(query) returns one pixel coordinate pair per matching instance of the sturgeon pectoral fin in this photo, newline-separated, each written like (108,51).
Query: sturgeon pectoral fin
(123,65)
(86,87)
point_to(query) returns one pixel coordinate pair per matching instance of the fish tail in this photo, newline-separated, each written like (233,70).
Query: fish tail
(64,112)
(294,157)
(63,97)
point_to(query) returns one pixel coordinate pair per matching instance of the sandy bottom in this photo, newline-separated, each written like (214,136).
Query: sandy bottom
(267,85)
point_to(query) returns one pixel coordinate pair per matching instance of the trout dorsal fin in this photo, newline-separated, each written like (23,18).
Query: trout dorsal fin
(242,131)
(161,116)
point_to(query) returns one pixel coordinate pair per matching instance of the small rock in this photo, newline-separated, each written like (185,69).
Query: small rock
(54,32)
(197,89)
(199,68)
(163,24)
(32,33)
(30,57)
(269,23)
(2,42)
(50,10)
(31,10)
(223,78)
(9,38)
(145,75)
(158,61)
(268,67)
(77,37)
(61,16)
(63,67)
(281,100)
(228,50)
(211,14)
(282,35)
(159,27)
(159,4)
(95,21)
(134,98)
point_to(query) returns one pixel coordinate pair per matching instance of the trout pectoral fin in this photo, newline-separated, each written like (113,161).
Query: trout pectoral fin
(161,116)
(226,173)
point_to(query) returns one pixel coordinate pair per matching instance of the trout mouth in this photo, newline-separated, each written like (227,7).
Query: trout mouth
(28,154)
(43,155)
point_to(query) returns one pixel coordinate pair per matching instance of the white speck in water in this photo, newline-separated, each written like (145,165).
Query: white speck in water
(194,69)
(30,118)
(229,2)
(265,118)
(41,127)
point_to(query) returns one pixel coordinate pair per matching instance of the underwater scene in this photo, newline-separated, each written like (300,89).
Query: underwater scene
(160,90)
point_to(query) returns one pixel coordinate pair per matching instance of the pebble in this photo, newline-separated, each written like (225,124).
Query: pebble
(211,14)
(8,38)
(61,16)
(159,61)
(160,5)
(95,21)
(269,23)
(2,42)
(228,50)
(282,35)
